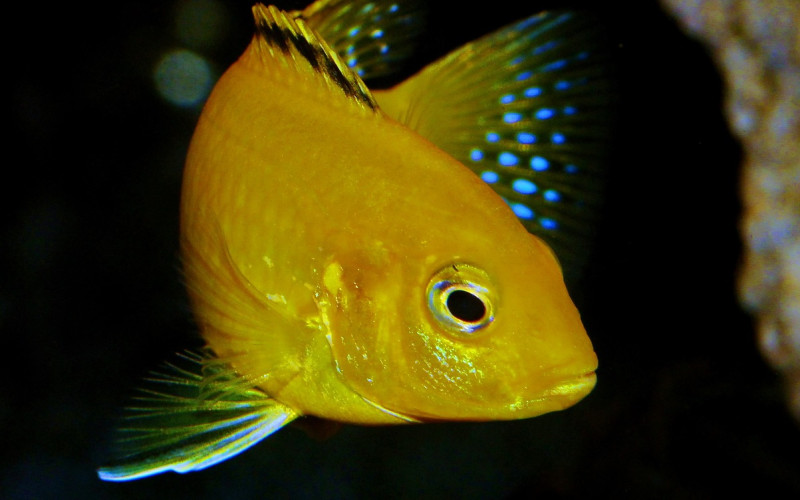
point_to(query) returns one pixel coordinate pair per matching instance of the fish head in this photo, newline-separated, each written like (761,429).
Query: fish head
(469,324)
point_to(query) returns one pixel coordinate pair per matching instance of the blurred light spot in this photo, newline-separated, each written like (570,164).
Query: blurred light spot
(558,138)
(492,137)
(183,78)
(44,229)
(507,99)
(201,23)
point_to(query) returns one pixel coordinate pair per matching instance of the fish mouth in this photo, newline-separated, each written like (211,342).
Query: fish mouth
(560,396)
(580,385)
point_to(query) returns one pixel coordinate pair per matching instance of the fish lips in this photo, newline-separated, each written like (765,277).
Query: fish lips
(557,397)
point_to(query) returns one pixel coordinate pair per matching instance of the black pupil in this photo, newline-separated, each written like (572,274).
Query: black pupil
(465,306)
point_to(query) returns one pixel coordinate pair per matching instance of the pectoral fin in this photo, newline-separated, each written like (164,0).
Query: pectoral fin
(190,415)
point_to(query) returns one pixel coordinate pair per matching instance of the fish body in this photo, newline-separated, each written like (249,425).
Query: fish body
(342,265)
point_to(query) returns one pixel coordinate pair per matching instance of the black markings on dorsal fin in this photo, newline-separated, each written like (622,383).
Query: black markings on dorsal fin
(297,42)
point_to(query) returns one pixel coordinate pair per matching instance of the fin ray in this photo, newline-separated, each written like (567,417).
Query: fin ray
(290,41)
(186,418)
(246,319)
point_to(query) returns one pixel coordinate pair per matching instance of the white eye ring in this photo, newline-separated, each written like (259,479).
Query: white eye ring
(460,299)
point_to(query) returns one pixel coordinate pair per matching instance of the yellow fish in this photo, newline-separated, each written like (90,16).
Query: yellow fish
(344,260)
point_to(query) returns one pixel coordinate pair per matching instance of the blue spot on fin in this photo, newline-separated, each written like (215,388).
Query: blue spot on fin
(543,119)
(377,35)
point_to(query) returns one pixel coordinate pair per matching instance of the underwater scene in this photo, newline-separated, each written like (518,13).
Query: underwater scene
(395,249)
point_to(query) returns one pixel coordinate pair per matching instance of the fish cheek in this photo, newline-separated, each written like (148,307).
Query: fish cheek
(446,372)
(388,350)
(396,366)
(364,321)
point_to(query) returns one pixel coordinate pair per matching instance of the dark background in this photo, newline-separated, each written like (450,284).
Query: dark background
(90,294)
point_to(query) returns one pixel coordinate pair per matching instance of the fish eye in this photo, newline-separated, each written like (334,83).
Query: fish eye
(465,306)
(460,298)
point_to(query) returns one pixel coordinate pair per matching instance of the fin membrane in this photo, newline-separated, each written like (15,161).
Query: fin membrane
(528,109)
(190,415)
(372,36)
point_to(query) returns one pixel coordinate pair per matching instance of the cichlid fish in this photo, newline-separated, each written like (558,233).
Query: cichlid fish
(365,257)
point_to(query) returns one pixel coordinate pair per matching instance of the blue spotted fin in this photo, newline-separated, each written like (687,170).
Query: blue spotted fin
(528,109)
(372,37)
(192,414)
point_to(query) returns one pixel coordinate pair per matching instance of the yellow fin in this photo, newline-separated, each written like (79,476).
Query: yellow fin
(373,37)
(528,108)
(290,41)
(190,415)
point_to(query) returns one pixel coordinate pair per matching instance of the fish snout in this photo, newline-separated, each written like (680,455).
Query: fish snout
(541,389)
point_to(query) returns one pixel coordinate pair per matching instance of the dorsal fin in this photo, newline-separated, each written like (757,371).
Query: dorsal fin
(374,37)
(280,35)
(529,109)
